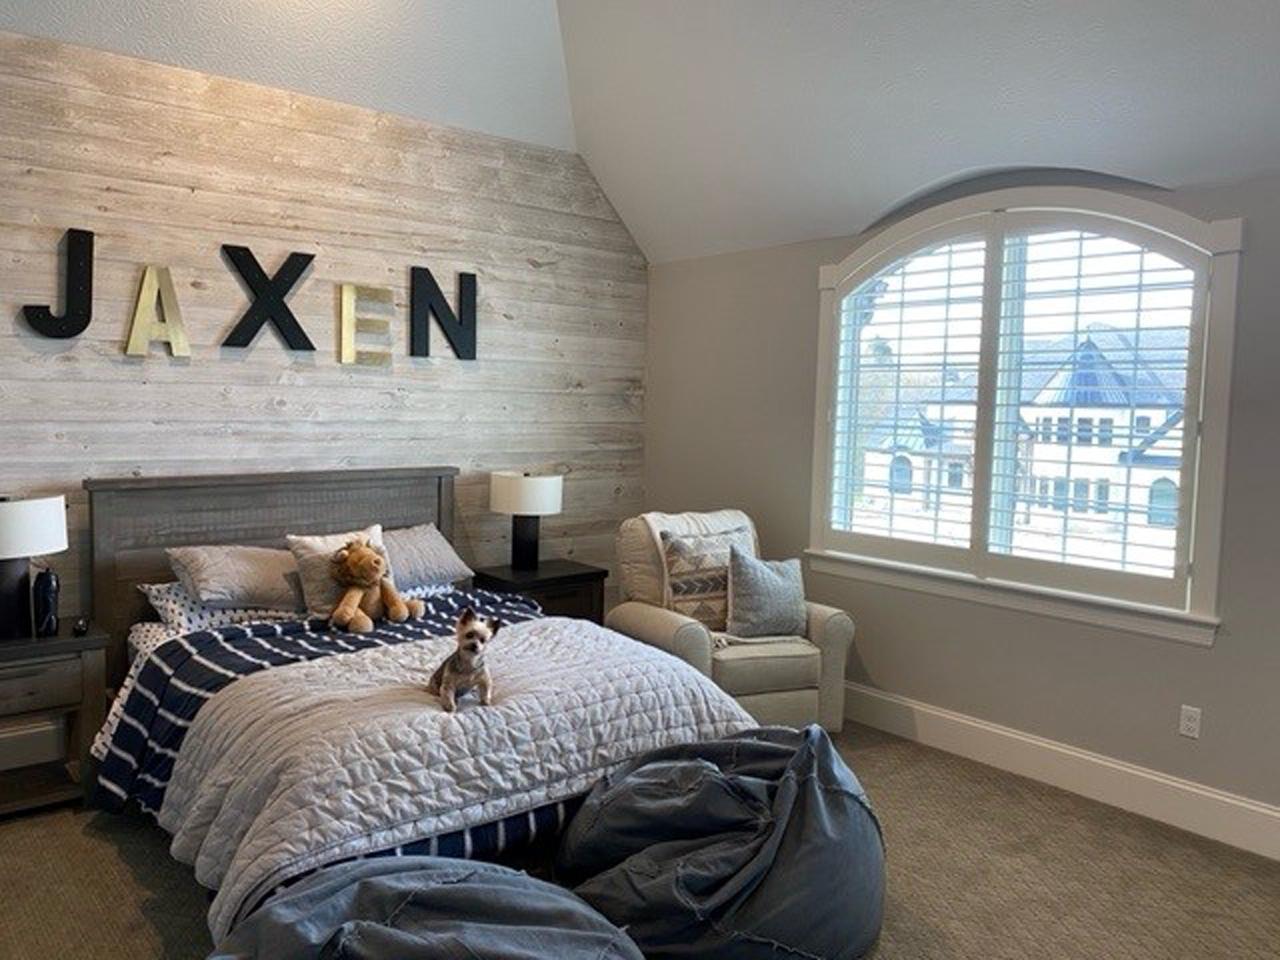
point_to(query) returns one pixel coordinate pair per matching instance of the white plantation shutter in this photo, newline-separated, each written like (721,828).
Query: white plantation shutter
(906,376)
(1018,400)
(1092,329)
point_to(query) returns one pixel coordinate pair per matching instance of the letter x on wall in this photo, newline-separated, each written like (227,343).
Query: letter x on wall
(269,298)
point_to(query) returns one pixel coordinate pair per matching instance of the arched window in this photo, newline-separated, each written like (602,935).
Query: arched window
(1162,503)
(973,329)
(900,474)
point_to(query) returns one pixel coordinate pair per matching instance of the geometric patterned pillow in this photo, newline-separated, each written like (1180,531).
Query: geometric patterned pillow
(183,613)
(697,572)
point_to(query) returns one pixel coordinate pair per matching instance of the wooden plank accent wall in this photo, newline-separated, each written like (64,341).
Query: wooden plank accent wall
(166,165)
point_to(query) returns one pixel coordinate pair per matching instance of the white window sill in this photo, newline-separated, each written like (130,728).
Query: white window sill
(1175,625)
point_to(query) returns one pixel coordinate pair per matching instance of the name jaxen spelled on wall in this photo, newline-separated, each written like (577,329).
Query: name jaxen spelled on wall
(362,309)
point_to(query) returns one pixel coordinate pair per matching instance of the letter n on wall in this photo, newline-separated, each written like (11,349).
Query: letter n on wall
(426,300)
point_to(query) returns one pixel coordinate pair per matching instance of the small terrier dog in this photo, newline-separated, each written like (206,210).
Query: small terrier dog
(465,669)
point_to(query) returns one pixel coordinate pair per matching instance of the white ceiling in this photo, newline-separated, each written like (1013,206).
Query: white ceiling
(720,125)
(495,66)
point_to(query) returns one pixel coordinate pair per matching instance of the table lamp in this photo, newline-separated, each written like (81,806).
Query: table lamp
(526,498)
(28,528)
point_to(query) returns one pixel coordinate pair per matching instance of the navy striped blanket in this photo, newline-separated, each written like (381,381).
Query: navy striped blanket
(515,836)
(182,674)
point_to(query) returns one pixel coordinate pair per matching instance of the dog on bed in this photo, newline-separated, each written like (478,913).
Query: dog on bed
(465,669)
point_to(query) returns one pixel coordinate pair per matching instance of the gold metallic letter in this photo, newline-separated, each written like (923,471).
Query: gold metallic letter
(364,310)
(147,325)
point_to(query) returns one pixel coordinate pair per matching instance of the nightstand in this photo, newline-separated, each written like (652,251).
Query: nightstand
(563,588)
(53,699)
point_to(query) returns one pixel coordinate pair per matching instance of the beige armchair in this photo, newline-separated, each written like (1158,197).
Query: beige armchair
(792,681)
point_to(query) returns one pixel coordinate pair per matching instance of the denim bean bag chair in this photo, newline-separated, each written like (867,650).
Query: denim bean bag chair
(759,845)
(425,908)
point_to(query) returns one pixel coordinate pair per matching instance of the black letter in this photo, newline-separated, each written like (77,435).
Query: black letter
(268,303)
(77,292)
(425,299)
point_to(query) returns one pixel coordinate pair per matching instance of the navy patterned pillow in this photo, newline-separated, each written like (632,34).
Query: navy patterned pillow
(183,613)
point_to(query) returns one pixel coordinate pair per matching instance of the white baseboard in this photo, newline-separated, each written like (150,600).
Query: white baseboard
(1227,817)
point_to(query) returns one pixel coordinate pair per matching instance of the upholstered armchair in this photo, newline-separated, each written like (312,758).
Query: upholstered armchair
(791,681)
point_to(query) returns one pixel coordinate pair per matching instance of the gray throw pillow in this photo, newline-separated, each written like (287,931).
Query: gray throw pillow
(766,597)
(422,557)
(230,576)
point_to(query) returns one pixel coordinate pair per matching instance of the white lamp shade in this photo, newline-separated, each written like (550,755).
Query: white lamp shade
(32,528)
(525,496)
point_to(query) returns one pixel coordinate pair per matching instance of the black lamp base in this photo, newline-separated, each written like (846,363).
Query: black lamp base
(524,543)
(15,598)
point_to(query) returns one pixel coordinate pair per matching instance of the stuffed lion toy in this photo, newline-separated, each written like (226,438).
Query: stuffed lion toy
(368,593)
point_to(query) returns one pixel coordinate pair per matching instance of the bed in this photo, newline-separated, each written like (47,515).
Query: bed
(269,750)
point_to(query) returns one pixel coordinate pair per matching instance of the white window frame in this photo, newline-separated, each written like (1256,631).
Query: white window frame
(1183,608)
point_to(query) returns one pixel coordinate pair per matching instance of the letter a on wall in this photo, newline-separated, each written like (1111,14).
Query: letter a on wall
(147,327)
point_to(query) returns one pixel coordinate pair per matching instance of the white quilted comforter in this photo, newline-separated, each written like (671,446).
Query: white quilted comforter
(291,768)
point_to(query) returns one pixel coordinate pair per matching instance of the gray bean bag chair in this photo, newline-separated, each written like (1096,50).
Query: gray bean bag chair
(759,845)
(425,908)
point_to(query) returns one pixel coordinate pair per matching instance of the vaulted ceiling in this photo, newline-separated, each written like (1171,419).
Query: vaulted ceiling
(494,66)
(718,125)
(721,125)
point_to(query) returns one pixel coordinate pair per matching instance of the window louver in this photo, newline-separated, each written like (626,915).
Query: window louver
(1085,420)
(905,412)
(1094,331)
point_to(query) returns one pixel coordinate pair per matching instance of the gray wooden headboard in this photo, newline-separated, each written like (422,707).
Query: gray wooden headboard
(133,520)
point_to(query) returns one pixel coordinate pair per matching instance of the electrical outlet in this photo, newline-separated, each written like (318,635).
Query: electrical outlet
(1189,722)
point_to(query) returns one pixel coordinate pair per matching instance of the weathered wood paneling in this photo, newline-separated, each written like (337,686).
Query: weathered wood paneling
(165,165)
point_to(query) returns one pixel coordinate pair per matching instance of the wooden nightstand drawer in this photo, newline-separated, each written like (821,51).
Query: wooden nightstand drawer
(563,588)
(53,690)
(27,742)
(39,684)
(574,601)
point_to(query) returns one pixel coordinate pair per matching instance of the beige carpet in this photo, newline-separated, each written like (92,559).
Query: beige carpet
(982,864)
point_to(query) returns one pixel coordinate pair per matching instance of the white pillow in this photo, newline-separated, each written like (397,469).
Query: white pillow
(145,637)
(183,613)
(320,592)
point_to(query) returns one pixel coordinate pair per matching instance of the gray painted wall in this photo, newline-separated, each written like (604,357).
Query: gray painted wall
(487,65)
(731,356)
